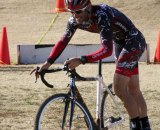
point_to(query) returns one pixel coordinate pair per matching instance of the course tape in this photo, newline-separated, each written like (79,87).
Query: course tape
(49,28)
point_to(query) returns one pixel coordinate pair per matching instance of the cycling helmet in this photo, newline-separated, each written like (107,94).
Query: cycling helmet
(74,5)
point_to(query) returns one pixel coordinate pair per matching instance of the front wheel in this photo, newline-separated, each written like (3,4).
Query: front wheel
(110,116)
(54,114)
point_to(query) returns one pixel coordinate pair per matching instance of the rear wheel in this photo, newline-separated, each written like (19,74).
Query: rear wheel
(110,114)
(54,113)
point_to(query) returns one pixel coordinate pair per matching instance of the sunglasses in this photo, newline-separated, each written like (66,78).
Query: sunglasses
(78,11)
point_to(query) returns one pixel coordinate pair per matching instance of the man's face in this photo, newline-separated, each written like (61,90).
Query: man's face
(80,16)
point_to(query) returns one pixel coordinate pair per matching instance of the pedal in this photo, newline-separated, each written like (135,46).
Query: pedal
(112,121)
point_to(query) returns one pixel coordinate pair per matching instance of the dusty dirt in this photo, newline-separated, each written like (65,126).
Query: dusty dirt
(20,97)
(27,20)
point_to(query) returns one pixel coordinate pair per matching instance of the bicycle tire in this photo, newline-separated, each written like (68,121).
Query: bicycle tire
(108,110)
(50,114)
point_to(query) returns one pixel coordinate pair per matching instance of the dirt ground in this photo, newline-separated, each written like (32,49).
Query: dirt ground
(20,97)
(27,20)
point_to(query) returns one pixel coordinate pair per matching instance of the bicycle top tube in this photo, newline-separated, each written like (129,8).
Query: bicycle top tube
(71,74)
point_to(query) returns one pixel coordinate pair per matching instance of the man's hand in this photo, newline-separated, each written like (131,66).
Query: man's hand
(45,66)
(73,63)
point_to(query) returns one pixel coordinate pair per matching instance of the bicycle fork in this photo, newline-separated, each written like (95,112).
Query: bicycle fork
(71,103)
(68,104)
(65,112)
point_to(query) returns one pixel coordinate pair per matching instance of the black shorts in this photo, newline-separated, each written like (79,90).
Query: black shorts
(128,53)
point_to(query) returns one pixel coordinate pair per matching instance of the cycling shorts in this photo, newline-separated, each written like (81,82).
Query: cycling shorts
(128,53)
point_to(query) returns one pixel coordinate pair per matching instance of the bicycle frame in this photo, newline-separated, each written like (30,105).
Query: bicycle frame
(74,94)
(101,87)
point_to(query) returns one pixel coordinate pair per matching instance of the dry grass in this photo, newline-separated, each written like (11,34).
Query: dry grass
(27,20)
(21,97)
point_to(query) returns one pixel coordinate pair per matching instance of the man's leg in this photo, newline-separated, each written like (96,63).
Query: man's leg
(134,90)
(120,84)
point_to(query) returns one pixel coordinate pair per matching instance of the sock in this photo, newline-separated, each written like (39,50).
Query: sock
(135,124)
(145,123)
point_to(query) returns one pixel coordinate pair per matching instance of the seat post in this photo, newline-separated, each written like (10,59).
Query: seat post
(100,67)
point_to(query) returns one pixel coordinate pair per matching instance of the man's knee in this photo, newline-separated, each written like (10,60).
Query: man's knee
(136,94)
(120,85)
(120,91)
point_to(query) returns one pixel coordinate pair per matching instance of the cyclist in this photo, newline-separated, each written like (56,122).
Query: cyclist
(113,27)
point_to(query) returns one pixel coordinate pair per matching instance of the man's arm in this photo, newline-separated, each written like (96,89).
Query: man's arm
(104,24)
(63,42)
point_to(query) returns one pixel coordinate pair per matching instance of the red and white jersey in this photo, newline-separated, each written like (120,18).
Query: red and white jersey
(111,24)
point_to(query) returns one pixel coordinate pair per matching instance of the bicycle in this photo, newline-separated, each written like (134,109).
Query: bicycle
(68,111)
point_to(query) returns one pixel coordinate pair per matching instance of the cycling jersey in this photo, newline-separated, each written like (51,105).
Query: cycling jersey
(113,26)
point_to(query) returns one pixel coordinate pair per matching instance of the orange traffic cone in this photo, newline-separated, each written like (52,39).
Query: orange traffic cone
(4,51)
(157,53)
(60,7)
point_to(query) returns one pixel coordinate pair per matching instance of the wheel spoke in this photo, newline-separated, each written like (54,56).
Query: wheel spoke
(110,116)
(55,114)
